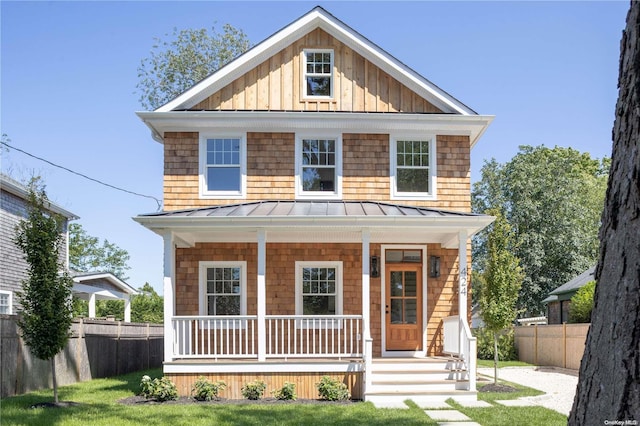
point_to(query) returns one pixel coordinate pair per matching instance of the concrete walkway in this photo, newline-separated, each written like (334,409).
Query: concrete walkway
(558,385)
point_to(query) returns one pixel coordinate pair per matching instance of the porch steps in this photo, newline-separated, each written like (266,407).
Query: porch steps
(423,380)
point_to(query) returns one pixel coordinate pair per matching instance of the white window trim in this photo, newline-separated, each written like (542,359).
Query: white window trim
(10,294)
(303,79)
(318,195)
(433,172)
(203,266)
(300,265)
(202,178)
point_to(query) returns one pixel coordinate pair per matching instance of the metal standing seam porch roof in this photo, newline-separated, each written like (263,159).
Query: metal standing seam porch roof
(340,220)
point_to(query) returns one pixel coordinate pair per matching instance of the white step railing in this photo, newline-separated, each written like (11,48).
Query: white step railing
(459,341)
(236,336)
(314,336)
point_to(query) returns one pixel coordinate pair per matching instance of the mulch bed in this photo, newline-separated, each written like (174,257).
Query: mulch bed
(492,387)
(183,400)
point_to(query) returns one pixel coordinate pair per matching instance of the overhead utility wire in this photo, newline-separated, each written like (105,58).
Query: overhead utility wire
(85,176)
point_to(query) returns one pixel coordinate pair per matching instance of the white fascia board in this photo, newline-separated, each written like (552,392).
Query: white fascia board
(161,224)
(100,293)
(282,121)
(336,28)
(21,191)
(117,282)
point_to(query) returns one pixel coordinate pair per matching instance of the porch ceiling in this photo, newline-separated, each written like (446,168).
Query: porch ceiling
(315,221)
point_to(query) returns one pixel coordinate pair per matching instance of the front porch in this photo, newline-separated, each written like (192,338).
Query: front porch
(301,349)
(318,288)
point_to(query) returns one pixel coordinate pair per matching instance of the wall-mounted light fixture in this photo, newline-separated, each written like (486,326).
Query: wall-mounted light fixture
(374,267)
(434,266)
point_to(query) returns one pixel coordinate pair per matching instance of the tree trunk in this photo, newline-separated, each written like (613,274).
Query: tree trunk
(495,358)
(55,382)
(609,384)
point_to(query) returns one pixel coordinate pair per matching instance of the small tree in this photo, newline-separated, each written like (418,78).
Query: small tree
(46,293)
(503,278)
(582,304)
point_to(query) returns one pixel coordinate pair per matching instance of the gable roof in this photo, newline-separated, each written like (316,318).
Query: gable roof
(19,190)
(576,283)
(84,279)
(566,290)
(318,18)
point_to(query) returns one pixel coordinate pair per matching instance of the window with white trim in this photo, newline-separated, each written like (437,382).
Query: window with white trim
(317,65)
(413,168)
(6,302)
(318,288)
(318,167)
(222,166)
(223,288)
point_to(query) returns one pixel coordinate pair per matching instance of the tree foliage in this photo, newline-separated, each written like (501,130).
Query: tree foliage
(185,59)
(582,304)
(46,293)
(88,254)
(553,199)
(502,280)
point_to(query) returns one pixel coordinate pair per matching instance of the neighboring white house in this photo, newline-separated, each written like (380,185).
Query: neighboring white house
(94,286)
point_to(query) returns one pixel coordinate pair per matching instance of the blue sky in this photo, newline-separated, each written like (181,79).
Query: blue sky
(547,71)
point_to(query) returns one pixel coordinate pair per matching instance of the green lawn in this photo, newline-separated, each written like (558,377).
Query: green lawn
(98,405)
(489,363)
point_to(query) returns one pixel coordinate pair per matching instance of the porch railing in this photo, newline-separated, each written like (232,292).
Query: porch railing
(309,336)
(295,336)
(215,337)
(459,341)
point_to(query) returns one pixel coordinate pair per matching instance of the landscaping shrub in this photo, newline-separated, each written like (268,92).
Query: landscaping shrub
(506,345)
(582,304)
(204,390)
(159,389)
(254,390)
(332,390)
(286,392)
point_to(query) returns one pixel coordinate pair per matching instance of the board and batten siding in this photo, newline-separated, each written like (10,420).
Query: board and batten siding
(271,170)
(276,84)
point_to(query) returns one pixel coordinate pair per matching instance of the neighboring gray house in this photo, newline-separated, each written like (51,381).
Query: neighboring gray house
(13,267)
(559,299)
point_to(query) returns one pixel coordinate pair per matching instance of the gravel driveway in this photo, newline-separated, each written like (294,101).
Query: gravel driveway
(558,385)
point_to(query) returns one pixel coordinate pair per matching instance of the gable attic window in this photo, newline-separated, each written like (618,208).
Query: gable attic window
(318,73)
(413,168)
(222,166)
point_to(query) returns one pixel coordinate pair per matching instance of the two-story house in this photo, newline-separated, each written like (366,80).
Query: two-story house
(317,221)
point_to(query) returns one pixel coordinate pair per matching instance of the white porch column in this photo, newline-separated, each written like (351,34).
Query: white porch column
(462,276)
(127,308)
(169,295)
(366,291)
(366,310)
(262,294)
(92,305)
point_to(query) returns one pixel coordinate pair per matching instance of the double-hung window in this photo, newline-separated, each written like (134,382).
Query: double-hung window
(6,302)
(318,167)
(223,288)
(318,73)
(319,288)
(413,168)
(222,167)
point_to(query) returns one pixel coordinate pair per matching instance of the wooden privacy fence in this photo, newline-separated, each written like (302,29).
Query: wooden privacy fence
(96,349)
(559,345)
